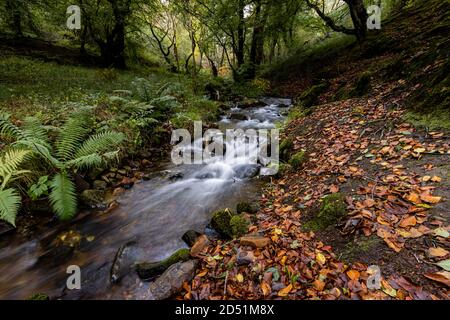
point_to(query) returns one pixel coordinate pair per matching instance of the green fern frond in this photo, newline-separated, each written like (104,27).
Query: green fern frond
(9,205)
(73,133)
(86,162)
(10,163)
(100,143)
(40,150)
(33,129)
(7,129)
(63,197)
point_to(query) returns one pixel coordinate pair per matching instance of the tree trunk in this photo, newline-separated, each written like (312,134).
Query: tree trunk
(241,35)
(359,17)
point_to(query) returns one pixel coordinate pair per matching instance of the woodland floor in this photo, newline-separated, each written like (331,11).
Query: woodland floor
(394,176)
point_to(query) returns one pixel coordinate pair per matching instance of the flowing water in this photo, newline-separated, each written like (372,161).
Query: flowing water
(149,223)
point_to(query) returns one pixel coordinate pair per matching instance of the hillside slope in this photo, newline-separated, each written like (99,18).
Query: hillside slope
(364,187)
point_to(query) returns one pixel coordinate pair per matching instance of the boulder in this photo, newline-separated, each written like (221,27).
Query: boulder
(93,198)
(190,237)
(100,185)
(246,171)
(199,246)
(149,270)
(255,241)
(245,207)
(221,222)
(171,281)
(239,226)
(244,258)
(238,117)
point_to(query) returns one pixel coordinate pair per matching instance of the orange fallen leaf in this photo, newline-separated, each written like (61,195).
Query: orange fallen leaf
(284,292)
(265,289)
(438,252)
(353,274)
(442,277)
(319,285)
(430,199)
(414,198)
(334,189)
(436,179)
(410,221)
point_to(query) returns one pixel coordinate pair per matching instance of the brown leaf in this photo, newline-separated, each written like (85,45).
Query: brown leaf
(442,277)
(410,221)
(430,199)
(353,274)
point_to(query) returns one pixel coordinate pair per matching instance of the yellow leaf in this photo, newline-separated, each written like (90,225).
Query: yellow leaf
(436,179)
(202,274)
(239,278)
(265,289)
(320,258)
(284,292)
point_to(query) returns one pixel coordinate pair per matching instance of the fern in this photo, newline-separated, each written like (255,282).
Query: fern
(72,135)
(63,197)
(100,143)
(10,163)
(9,205)
(7,129)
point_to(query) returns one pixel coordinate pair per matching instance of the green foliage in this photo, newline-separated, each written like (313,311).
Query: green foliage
(40,189)
(10,199)
(311,96)
(333,208)
(221,222)
(286,148)
(74,149)
(298,159)
(239,226)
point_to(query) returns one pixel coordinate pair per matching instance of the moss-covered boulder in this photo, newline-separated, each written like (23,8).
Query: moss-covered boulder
(362,85)
(333,209)
(239,226)
(286,148)
(298,159)
(221,222)
(245,207)
(311,96)
(149,270)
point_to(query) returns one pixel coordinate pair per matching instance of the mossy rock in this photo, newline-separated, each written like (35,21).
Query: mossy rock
(221,222)
(39,297)
(298,159)
(245,207)
(149,270)
(332,210)
(239,226)
(310,97)
(362,85)
(286,148)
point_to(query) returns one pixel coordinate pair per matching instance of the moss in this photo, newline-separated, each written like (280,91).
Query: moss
(239,226)
(221,222)
(149,270)
(298,159)
(246,207)
(39,296)
(333,208)
(362,85)
(362,246)
(311,96)
(286,148)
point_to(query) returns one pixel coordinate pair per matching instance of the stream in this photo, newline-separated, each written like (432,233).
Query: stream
(149,223)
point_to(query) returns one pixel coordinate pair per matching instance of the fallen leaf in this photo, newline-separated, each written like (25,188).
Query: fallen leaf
(353,274)
(320,258)
(265,289)
(239,278)
(442,277)
(430,199)
(319,285)
(284,292)
(438,252)
(445,264)
(410,221)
